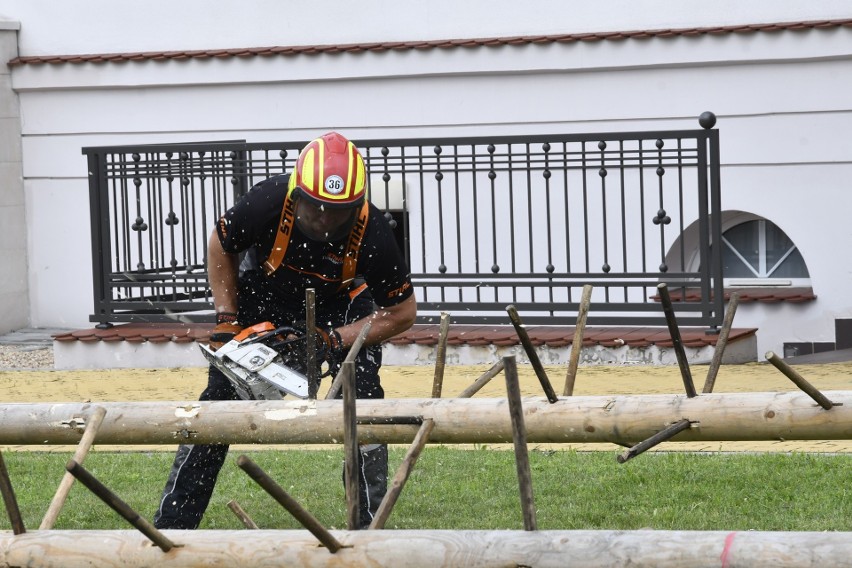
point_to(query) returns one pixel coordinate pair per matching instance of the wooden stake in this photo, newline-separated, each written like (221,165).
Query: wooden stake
(299,513)
(441,356)
(401,475)
(674,331)
(9,499)
(241,515)
(800,381)
(721,343)
(577,344)
(519,436)
(531,354)
(312,370)
(350,447)
(350,358)
(119,506)
(482,380)
(658,438)
(83,448)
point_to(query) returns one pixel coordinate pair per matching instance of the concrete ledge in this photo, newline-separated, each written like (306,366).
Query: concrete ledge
(141,355)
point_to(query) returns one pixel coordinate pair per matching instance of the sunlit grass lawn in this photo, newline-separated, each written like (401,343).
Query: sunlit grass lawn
(478,489)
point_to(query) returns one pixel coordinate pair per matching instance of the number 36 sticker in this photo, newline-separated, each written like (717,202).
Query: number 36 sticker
(334,185)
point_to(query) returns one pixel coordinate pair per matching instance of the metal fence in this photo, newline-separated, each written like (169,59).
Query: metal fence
(485,222)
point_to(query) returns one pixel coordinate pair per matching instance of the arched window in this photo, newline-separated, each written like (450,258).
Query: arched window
(758,252)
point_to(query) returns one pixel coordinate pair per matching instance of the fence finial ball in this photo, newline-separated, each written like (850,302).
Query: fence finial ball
(707,120)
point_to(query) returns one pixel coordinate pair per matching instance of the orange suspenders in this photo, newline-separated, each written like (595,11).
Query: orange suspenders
(285,229)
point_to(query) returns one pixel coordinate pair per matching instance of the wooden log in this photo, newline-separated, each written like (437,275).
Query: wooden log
(622,419)
(351,450)
(655,440)
(799,381)
(311,343)
(677,342)
(721,343)
(10,501)
(519,436)
(116,504)
(244,517)
(434,548)
(577,343)
(401,476)
(483,379)
(531,353)
(293,507)
(441,356)
(350,357)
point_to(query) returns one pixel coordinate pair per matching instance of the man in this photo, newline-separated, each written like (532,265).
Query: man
(313,229)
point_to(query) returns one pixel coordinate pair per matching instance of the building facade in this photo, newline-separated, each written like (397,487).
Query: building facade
(775,73)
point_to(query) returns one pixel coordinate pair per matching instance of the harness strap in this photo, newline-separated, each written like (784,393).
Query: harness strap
(353,247)
(282,238)
(285,231)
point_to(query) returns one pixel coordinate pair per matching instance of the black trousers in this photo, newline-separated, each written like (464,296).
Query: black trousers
(196,466)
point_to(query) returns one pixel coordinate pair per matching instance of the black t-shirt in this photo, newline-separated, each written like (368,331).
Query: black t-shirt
(252,224)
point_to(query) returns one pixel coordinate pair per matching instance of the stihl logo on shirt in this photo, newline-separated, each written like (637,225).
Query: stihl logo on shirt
(400,290)
(335,258)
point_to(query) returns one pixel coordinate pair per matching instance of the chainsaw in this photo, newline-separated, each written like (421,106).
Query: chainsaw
(259,363)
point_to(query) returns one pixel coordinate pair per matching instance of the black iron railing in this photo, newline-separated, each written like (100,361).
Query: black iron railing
(485,222)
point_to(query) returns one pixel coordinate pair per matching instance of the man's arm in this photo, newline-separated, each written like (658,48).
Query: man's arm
(386,322)
(222,270)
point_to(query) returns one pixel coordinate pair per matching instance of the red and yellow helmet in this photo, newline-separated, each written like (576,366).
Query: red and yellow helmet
(330,172)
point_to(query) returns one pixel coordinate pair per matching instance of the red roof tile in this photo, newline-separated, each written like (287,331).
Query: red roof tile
(766,295)
(431,44)
(428,334)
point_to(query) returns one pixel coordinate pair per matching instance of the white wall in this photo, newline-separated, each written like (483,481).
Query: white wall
(781,98)
(14,299)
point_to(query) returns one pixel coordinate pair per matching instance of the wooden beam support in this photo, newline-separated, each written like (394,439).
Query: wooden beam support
(532,355)
(621,419)
(432,548)
(401,476)
(68,480)
(721,343)
(441,355)
(519,436)
(119,506)
(483,380)
(577,343)
(674,331)
(10,500)
(293,507)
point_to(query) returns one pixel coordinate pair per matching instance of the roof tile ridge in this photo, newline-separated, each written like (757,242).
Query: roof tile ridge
(359,47)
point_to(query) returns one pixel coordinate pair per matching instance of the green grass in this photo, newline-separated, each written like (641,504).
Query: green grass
(477,489)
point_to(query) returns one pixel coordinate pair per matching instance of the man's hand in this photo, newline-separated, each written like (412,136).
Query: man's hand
(226,328)
(329,344)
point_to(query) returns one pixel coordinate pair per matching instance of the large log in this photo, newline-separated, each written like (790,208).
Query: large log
(624,420)
(411,548)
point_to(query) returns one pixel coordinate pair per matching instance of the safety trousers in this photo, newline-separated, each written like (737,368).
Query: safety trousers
(192,477)
(372,481)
